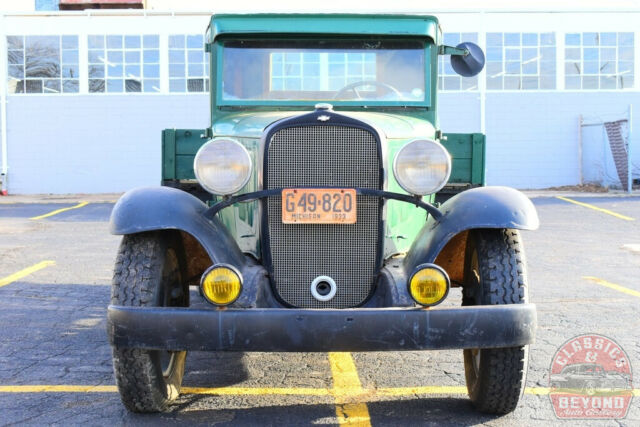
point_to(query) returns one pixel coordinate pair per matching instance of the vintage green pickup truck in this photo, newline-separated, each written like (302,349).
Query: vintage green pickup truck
(313,224)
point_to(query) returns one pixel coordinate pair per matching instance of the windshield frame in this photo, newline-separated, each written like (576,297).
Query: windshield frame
(221,102)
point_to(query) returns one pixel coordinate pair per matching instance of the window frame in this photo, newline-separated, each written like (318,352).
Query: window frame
(60,63)
(553,78)
(221,102)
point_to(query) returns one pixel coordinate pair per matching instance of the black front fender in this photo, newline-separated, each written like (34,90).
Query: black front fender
(483,207)
(164,208)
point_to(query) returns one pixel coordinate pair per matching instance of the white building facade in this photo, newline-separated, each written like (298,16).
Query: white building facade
(85,95)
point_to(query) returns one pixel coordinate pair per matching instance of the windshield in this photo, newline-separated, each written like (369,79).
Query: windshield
(323,70)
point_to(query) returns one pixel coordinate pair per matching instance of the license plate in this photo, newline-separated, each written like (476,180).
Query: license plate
(319,206)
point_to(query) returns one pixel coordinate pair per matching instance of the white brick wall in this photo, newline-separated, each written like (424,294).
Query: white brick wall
(93,144)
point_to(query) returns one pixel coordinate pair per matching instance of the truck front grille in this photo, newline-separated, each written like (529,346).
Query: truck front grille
(324,156)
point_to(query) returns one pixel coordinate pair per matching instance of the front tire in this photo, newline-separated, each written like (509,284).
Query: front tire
(495,273)
(149,273)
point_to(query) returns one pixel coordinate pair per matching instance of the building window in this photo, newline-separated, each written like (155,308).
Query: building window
(449,79)
(188,64)
(47,5)
(599,60)
(120,63)
(42,64)
(521,61)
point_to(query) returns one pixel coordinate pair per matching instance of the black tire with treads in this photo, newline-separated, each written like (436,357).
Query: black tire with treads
(495,377)
(148,273)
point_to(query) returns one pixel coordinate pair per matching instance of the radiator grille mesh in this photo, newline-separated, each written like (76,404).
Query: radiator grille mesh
(324,156)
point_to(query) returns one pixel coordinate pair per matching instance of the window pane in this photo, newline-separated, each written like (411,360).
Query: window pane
(96,42)
(132,71)
(70,86)
(151,70)
(115,85)
(133,85)
(512,83)
(15,42)
(96,56)
(176,70)
(42,57)
(150,41)
(151,56)
(572,39)
(195,41)
(132,57)
(625,39)
(151,85)
(69,42)
(15,57)
(52,86)
(115,71)
(34,86)
(16,71)
(115,56)
(96,85)
(195,85)
(494,39)
(547,82)
(547,39)
(114,42)
(529,83)
(195,56)
(177,85)
(176,42)
(512,39)
(176,56)
(70,56)
(132,42)
(96,71)
(608,39)
(494,82)
(70,71)
(529,39)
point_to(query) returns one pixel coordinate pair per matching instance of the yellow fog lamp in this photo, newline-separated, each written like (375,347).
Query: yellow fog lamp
(429,285)
(221,284)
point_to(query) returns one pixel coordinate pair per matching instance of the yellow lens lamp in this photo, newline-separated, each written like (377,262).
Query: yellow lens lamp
(429,285)
(221,284)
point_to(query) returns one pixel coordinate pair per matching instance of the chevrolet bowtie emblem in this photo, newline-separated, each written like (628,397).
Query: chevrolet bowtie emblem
(323,118)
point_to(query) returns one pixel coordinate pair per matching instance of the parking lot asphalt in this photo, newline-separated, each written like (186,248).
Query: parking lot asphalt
(55,361)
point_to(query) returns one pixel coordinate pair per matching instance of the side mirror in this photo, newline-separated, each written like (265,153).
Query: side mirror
(471,64)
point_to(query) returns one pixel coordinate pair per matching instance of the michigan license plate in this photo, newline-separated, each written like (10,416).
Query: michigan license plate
(319,206)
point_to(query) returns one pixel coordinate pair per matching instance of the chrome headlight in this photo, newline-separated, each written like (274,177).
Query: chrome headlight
(422,167)
(222,166)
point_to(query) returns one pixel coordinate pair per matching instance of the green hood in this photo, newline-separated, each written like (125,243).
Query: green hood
(392,126)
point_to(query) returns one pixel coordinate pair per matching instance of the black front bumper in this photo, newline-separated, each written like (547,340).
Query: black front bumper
(322,330)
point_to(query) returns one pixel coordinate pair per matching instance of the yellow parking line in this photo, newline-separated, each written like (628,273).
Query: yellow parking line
(407,391)
(254,391)
(346,390)
(57,211)
(613,286)
(587,205)
(25,272)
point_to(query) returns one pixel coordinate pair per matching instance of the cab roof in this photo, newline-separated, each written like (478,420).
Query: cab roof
(329,24)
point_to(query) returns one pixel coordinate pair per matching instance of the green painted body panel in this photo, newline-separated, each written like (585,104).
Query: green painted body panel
(397,125)
(467,152)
